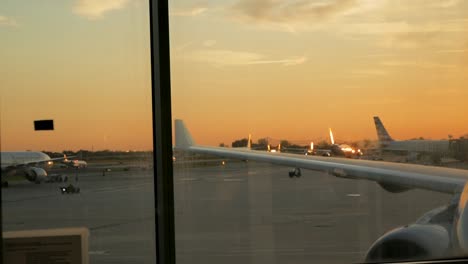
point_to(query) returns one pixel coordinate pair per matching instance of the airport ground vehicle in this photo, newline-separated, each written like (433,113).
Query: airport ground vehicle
(296,172)
(69,189)
(57,178)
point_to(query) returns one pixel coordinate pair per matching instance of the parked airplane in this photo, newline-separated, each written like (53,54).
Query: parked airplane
(409,146)
(28,163)
(442,231)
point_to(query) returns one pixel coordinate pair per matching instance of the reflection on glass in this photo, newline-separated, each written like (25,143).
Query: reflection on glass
(87,68)
(387,77)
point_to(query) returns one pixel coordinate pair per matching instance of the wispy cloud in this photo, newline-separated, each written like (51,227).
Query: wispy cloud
(286,62)
(424,4)
(445,3)
(293,15)
(411,39)
(454,51)
(95,9)
(401,34)
(209,43)
(182,47)
(377,28)
(281,10)
(445,91)
(222,57)
(407,30)
(371,72)
(7,22)
(189,12)
(422,64)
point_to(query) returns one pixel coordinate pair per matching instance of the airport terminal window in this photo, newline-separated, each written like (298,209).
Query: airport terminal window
(333,93)
(85,65)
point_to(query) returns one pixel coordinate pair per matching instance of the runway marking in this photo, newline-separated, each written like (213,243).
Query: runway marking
(353,195)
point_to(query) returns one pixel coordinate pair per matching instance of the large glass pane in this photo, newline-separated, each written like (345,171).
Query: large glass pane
(86,66)
(388,77)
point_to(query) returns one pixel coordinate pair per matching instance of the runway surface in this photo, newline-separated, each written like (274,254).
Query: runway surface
(237,213)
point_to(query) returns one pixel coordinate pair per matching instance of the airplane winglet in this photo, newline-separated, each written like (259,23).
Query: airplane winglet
(183,139)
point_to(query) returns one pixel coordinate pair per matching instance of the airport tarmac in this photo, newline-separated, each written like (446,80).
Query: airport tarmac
(242,212)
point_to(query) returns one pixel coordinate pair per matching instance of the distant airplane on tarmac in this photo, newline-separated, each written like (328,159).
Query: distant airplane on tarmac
(28,163)
(440,232)
(343,149)
(339,150)
(386,142)
(74,163)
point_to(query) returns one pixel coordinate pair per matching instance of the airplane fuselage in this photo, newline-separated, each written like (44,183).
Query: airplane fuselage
(420,146)
(31,165)
(22,157)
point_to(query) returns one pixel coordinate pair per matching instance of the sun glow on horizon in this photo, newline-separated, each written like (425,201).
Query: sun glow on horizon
(270,68)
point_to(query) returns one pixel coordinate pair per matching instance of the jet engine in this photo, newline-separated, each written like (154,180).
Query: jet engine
(461,222)
(35,174)
(414,242)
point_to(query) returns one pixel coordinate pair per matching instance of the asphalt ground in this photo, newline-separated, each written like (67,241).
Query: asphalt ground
(242,212)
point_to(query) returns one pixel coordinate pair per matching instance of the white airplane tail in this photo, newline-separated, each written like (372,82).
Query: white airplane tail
(183,139)
(382,133)
(332,139)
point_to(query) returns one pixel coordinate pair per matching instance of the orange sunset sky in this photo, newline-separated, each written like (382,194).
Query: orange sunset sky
(272,68)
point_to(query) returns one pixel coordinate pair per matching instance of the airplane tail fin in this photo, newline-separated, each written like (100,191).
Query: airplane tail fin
(332,139)
(183,139)
(249,143)
(381,131)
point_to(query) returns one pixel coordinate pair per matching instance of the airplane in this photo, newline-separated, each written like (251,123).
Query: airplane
(386,142)
(339,150)
(343,150)
(440,232)
(77,164)
(274,149)
(31,164)
(74,163)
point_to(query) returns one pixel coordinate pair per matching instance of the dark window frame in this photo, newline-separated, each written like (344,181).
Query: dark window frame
(162,132)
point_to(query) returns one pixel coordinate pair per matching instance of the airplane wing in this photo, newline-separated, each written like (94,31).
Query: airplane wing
(391,176)
(42,161)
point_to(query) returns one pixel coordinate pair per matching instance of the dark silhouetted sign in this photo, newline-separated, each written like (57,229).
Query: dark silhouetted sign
(44,125)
